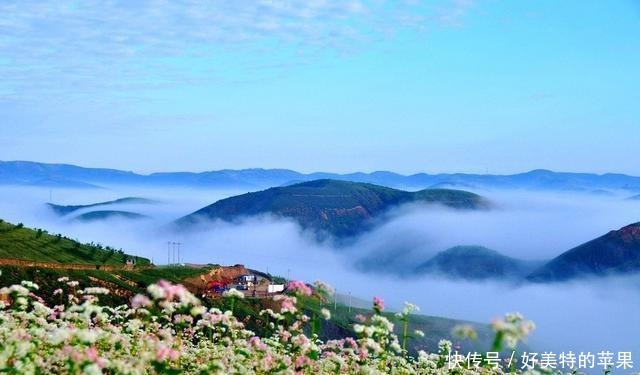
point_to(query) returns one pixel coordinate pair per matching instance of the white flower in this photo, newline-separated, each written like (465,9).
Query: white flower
(92,369)
(87,336)
(407,310)
(198,310)
(18,289)
(326,314)
(59,335)
(395,346)
(324,287)
(30,285)
(94,290)
(445,346)
(465,331)
(156,291)
(382,322)
(233,293)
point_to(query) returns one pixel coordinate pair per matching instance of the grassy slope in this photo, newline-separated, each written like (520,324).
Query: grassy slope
(341,208)
(18,242)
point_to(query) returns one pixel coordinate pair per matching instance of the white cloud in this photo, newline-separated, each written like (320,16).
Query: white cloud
(53,46)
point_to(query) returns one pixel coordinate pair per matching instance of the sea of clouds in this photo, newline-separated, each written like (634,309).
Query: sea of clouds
(594,315)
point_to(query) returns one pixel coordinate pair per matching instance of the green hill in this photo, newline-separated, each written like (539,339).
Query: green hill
(340,208)
(475,263)
(617,252)
(109,214)
(65,210)
(18,242)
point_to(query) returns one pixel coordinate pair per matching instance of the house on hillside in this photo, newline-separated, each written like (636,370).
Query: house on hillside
(251,282)
(130,263)
(251,279)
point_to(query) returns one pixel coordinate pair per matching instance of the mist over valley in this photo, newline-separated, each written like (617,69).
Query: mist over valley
(469,264)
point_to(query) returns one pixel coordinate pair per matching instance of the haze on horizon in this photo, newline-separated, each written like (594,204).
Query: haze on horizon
(340,86)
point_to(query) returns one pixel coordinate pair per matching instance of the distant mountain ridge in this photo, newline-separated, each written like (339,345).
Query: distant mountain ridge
(340,208)
(66,175)
(67,209)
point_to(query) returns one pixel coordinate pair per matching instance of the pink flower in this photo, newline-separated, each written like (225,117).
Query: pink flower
(287,304)
(364,353)
(378,304)
(302,361)
(140,301)
(92,354)
(164,352)
(351,342)
(267,361)
(299,287)
(170,290)
(257,343)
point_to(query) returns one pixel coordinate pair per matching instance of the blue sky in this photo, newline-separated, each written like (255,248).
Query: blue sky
(408,86)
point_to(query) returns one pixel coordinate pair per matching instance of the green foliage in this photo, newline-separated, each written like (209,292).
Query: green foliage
(18,242)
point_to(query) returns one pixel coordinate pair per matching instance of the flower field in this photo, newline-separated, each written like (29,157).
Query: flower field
(168,330)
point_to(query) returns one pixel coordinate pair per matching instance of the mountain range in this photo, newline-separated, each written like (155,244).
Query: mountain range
(71,176)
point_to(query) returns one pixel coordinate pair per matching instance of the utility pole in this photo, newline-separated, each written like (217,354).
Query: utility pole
(335,300)
(168,252)
(349,301)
